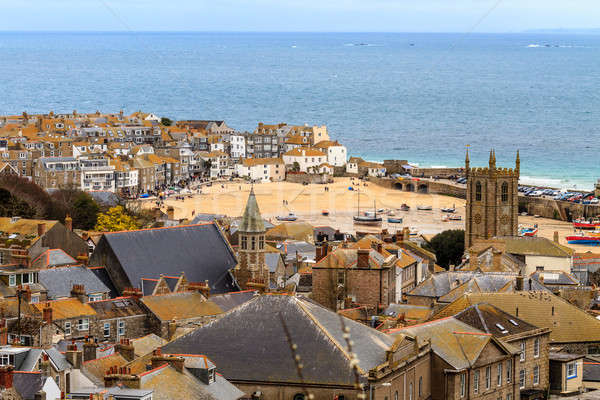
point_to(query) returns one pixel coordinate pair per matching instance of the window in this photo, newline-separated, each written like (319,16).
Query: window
(536,347)
(261,242)
(522,379)
(476,382)
(95,297)
(499,375)
(420,386)
(244,242)
(522,355)
(536,375)
(27,278)
(83,324)
(508,396)
(12,280)
(572,370)
(508,371)
(106,329)
(121,330)
(7,359)
(299,396)
(478,191)
(340,277)
(396,395)
(462,385)
(253,243)
(504,192)
(488,377)
(67,328)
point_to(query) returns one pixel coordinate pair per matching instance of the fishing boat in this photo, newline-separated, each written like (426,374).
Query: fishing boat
(450,210)
(325,213)
(424,208)
(528,231)
(586,224)
(368,218)
(445,218)
(394,220)
(454,217)
(586,238)
(404,207)
(413,231)
(287,218)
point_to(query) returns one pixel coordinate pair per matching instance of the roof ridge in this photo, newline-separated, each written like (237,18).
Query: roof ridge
(326,333)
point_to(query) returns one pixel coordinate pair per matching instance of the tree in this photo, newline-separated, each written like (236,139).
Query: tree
(116,219)
(448,246)
(296,166)
(84,211)
(166,121)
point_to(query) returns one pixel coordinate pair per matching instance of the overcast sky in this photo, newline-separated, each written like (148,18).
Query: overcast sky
(299,15)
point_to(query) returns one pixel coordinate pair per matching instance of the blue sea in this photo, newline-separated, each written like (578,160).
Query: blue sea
(421,97)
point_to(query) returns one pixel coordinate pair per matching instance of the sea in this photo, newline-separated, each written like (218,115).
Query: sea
(421,97)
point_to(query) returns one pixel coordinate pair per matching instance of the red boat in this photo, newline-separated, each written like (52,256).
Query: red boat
(583,224)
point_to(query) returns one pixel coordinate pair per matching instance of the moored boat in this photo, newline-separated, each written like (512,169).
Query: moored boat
(586,224)
(454,217)
(287,218)
(590,238)
(450,210)
(394,220)
(528,231)
(404,207)
(325,213)
(424,208)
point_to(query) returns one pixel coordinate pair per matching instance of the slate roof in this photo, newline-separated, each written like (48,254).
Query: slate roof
(96,369)
(102,274)
(591,370)
(554,278)
(536,246)
(231,300)
(28,383)
(568,323)
(168,384)
(410,311)
(117,308)
(59,281)
(147,344)
(251,220)
(66,308)
(58,359)
(452,340)
(252,335)
(200,251)
(180,306)
(493,320)
(53,258)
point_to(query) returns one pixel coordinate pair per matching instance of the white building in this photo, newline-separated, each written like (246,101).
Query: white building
(307,158)
(336,153)
(237,144)
(97,174)
(262,169)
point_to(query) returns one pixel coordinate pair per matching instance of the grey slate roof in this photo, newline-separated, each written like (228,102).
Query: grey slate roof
(200,251)
(30,361)
(231,300)
(28,384)
(249,342)
(252,221)
(59,281)
(490,319)
(58,359)
(272,261)
(53,258)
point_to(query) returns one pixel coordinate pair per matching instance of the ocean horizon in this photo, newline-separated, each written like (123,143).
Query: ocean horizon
(423,97)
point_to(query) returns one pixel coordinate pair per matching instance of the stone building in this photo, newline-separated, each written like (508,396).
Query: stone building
(251,269)
(492,201)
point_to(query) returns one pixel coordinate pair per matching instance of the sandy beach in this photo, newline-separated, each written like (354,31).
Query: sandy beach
(308,202)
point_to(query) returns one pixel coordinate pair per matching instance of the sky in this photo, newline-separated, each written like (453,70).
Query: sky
(298,15)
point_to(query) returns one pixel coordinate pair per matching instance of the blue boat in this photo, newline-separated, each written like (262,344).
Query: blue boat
(394,220)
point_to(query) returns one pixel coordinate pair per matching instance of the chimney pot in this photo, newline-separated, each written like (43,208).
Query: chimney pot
(41,228)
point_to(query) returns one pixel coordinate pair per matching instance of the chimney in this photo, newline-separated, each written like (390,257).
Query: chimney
(171,213)
(159,359)
(362,258)
(6,377)
(321,252)
(496,259)
(405,233)
(519,283)
(121,375)
(78,291)
(47,314)
(556,236)
(41,395)
(41,228)
(74,356)
(172,329)
(69,223)
(125,348)
(89,350)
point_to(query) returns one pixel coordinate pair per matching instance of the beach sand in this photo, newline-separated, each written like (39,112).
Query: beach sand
(308,202)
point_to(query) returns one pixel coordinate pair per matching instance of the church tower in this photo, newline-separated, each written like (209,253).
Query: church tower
(252,271)
(492,200)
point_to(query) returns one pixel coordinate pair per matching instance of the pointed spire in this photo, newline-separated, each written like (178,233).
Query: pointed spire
(518,163)
(491,161)
(252,221)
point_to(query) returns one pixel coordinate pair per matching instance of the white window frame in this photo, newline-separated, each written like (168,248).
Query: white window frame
(536,347)
(536,375)
(12,280)
(573,374)
(476,382)
(95,297)
(106,329)
(488,377)
(463,384)
(522,379)
(499,375)
(121,327)
(83,324)
(67,327)
(522,354)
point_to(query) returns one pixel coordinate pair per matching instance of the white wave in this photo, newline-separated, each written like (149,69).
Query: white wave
(554,183)
(534,45)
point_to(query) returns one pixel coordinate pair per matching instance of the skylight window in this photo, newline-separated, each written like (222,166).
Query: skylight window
(502,329)
(512,321)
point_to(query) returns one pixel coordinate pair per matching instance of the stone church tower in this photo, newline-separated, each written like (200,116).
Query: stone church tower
(492,201)
(252,272)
